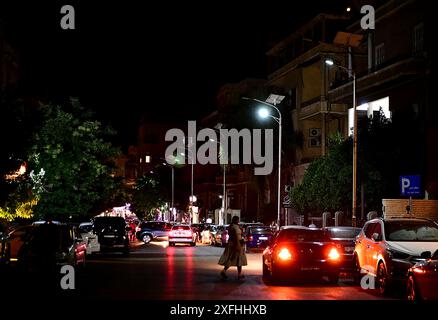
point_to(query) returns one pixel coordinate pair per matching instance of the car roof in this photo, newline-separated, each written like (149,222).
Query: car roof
(85,224)
(342,228)
(298,227)
(399,219)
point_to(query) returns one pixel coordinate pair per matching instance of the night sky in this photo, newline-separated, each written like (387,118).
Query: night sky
(167,59)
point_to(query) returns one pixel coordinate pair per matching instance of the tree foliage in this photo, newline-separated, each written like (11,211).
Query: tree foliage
(149,194)
(70,162)
(327,183)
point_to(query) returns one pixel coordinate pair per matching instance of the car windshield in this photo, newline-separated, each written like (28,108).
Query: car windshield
(302,235)
(344,233)
(411,230)
(260,230)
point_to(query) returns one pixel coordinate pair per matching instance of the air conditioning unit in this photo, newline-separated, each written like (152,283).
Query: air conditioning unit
(314,132)
(315,142)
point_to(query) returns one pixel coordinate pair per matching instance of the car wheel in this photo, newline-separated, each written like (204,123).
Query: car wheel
(382,284)
(412,291)
(146,238)
(193,244)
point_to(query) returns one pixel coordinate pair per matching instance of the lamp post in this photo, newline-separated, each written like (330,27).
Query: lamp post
(192,198)
(331,62)
(224,192)
(264,113)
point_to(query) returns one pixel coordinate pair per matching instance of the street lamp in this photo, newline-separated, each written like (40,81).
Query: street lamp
(331,62)
(264,113)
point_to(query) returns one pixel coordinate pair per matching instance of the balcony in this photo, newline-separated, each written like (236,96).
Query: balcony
(315,107)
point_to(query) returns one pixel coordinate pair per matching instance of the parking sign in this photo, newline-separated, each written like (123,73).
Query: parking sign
(410,186)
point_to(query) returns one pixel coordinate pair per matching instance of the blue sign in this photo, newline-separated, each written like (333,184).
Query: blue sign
(410,186)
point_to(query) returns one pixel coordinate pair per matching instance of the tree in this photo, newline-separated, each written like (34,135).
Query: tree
(149,195)
(70,162)
(327,183)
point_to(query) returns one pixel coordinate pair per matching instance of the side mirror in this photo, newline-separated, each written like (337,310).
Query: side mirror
(376,237)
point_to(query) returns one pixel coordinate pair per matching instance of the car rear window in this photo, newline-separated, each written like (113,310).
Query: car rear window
(260,230)
(302,235)
(180,228)
(109,221)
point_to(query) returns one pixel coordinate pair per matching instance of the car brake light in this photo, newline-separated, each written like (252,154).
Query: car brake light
(334,254)
(285,254)
(250,238)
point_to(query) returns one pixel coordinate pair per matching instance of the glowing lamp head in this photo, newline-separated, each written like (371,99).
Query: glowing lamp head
(329,62)
(348,9)
(284,254)
(334,254)
(263,113)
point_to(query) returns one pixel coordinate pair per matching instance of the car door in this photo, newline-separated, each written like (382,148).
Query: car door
(360,246)
(16,240)
(375,248)
(368,246)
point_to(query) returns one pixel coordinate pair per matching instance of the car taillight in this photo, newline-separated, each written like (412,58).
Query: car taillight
(284,254)
(250,238)
(334,254)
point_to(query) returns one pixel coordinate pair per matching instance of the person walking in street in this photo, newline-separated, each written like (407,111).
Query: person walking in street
(234,253)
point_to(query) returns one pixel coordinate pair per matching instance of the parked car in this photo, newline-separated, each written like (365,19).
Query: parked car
(48,246)
(12,243)
(112,233)
(221,237)
(153,231)
(423,278)
(257,237)
(387,248)
(244,225)
(297,251)
(182,234)
(91,239)
(346,238)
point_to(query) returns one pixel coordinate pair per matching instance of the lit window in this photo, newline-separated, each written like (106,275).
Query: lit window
(141,160)
(147,159)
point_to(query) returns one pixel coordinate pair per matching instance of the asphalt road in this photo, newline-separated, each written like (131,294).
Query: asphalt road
(156,271)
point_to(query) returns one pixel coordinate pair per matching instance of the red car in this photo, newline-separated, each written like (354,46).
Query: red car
(423,279)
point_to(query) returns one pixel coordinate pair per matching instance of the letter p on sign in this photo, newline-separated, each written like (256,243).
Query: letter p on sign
(405,184)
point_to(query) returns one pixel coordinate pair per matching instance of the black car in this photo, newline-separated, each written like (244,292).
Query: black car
(346,238)
(153,230)
(297,251)
(112,233)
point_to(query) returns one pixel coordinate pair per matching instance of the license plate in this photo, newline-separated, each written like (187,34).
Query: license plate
(310,268)
(109,236)
(263,238)
(349,249)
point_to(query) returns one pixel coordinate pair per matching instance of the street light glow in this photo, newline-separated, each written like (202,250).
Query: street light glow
(263,113)
(329,62)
